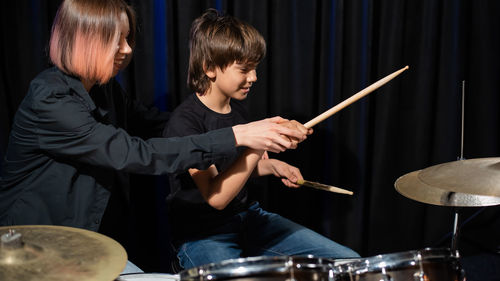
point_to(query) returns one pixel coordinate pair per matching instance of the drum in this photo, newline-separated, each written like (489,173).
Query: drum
(423,265)
(264,269)
(148,277)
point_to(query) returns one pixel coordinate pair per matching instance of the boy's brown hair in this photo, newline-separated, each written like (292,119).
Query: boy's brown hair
(219,41)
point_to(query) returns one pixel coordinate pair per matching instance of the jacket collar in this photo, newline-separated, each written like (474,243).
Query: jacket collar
(77,86)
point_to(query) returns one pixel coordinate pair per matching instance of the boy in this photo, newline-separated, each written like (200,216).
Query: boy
(211,218)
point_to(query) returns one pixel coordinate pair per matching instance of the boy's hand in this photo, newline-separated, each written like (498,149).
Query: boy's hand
(288,173)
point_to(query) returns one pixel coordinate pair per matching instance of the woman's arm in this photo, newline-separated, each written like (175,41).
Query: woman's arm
(64,126)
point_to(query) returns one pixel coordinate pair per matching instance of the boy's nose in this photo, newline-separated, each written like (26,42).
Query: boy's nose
(252,76)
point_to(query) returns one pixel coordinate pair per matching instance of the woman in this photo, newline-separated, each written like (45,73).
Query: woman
(68,149)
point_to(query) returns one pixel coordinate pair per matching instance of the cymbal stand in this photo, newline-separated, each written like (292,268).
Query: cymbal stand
(456,210)
(456,231)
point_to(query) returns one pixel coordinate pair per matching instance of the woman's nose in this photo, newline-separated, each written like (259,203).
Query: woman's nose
(125,48)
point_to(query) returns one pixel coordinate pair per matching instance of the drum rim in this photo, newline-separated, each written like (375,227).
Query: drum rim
(137,275)
(397,260)
(250,266)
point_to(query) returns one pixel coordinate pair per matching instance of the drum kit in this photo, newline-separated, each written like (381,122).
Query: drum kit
(463,183)
(58,253)
(427,264)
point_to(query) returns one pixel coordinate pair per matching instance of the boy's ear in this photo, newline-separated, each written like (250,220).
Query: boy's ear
(210,73)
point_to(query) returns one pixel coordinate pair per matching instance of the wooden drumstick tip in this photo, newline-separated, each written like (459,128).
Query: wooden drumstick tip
(353,98)
(325,187)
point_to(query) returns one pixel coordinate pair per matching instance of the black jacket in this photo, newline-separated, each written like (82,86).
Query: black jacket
(64,152)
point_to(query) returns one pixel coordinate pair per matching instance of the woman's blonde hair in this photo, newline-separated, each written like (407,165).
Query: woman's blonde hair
(85,36)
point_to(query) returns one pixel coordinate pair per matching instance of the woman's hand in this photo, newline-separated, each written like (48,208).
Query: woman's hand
(294,125)
(269,135)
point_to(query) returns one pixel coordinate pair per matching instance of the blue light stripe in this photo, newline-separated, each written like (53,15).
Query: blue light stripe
(218,5)
(161,83)
(160,55)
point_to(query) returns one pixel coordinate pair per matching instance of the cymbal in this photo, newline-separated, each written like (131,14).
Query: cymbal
(58,253)
(479,176)
(411,186)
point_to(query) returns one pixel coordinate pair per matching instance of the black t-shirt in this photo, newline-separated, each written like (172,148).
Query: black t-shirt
(189,214)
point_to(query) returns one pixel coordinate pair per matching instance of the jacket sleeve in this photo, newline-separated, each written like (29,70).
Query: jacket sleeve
(65,128)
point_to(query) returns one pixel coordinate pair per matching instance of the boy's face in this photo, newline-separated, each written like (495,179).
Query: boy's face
(234,81)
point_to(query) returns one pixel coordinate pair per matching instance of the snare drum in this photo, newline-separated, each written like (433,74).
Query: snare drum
(148,277)
(423,265)
(264,269)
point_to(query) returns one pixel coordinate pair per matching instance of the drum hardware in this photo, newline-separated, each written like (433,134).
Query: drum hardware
(11,240)
(420,276)
(461,183)
(456,230)
(58,253)
(385,275)
(454,237)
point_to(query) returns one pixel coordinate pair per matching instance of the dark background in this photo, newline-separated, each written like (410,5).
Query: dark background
(320,53)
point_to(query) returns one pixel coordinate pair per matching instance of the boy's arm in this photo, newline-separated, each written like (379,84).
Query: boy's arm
(219,189)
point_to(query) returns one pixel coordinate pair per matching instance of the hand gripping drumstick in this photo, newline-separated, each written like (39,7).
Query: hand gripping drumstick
(321,186)
(353,98)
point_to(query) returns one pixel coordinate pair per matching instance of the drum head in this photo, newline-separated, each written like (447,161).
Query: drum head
(263,269)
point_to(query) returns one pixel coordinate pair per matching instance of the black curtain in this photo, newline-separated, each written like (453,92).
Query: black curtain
(320,53)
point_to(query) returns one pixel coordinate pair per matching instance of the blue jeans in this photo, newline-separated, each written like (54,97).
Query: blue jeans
(131,268)
(256,232)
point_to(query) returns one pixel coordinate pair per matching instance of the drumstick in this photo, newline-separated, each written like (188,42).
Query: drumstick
(321,186)
(353,98)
